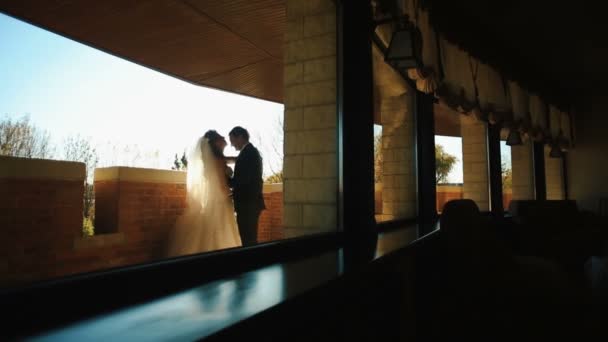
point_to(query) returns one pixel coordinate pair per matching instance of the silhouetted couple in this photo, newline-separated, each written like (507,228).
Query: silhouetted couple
(215,193)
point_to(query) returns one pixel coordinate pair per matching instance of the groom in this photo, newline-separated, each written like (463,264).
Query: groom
(246,185)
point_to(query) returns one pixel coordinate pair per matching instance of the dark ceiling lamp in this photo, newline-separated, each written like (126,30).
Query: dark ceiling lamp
(514,138)
(556,151)
(405,49)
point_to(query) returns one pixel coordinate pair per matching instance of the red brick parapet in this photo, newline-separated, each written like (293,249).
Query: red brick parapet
(41,205)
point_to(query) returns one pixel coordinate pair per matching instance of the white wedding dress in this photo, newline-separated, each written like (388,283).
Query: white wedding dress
(208,222)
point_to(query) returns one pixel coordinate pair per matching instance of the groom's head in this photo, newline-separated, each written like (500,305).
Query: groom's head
(239,137)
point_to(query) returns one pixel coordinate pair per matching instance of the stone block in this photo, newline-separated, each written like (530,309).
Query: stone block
(320,216)
(321,69)
(295,191)
(291,143)
(317,47)
(320,190)
(295,51)
(293,74)
(318,24)
(294,29)
(320,166)
(324,116)
(292,166)
(293,120)
(296,95)
(319,93)
(292,215)
(318,141)
(299,8)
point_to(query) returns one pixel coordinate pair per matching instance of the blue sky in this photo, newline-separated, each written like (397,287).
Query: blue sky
(68,88)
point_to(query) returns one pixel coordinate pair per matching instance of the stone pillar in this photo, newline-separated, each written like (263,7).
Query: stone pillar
(475,161)
(394,111)
(554,176)
(310,168)
(523,172)
(398,172)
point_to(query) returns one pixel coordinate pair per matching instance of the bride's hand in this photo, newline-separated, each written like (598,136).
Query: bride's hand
(230,160)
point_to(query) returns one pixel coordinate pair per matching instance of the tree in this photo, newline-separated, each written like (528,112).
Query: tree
(378,159)
(271,146)
(20,138)
(180,163)
(80,149)
(507,176)
(444,163)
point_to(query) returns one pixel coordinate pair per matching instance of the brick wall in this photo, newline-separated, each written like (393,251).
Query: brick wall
(41,204)
(41,221)
(446,193)
(271,220)
(310,169)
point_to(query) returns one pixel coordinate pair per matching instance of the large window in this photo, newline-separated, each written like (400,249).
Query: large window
(461,164)
(517,169)
(102,173)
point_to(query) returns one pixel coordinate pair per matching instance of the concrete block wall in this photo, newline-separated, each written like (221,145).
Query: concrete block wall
(310,168)
(475,161)
(398,171)
(523,172)
(554,176)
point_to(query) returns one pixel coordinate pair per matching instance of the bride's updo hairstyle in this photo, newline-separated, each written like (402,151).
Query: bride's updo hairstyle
(213,136)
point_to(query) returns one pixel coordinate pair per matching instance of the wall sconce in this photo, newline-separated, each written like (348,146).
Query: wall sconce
(405,49)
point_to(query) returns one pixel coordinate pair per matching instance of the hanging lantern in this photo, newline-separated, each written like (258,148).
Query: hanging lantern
(556,151)
(514,137)
(405,49)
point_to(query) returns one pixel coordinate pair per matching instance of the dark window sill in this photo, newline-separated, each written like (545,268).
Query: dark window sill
(185,298)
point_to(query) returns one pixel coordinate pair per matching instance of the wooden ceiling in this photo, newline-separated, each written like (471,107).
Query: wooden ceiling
(233,45)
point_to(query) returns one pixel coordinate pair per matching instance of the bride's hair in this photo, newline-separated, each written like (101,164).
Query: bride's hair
(212,136)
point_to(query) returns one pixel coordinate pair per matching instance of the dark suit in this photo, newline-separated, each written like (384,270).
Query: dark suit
(247,187)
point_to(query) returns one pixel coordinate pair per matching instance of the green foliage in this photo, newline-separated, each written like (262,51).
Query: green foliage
(180,164)
(507,177)
(444,163)
(87,227)
(378,159)
(20,138)
(277,177)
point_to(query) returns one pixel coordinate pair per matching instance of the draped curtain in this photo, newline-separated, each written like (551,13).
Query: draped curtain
(465,84)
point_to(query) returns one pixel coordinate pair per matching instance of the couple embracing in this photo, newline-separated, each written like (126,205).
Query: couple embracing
(215,194)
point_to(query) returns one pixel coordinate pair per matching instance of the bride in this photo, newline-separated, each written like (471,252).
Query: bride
(208,222)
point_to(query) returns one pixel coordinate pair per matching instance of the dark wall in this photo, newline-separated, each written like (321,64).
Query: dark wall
(588,160)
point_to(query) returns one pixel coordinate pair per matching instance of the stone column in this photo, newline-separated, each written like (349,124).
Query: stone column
(398,188)
(523,172)
(310,168)
(554,176)
(475,161)
(394,111)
